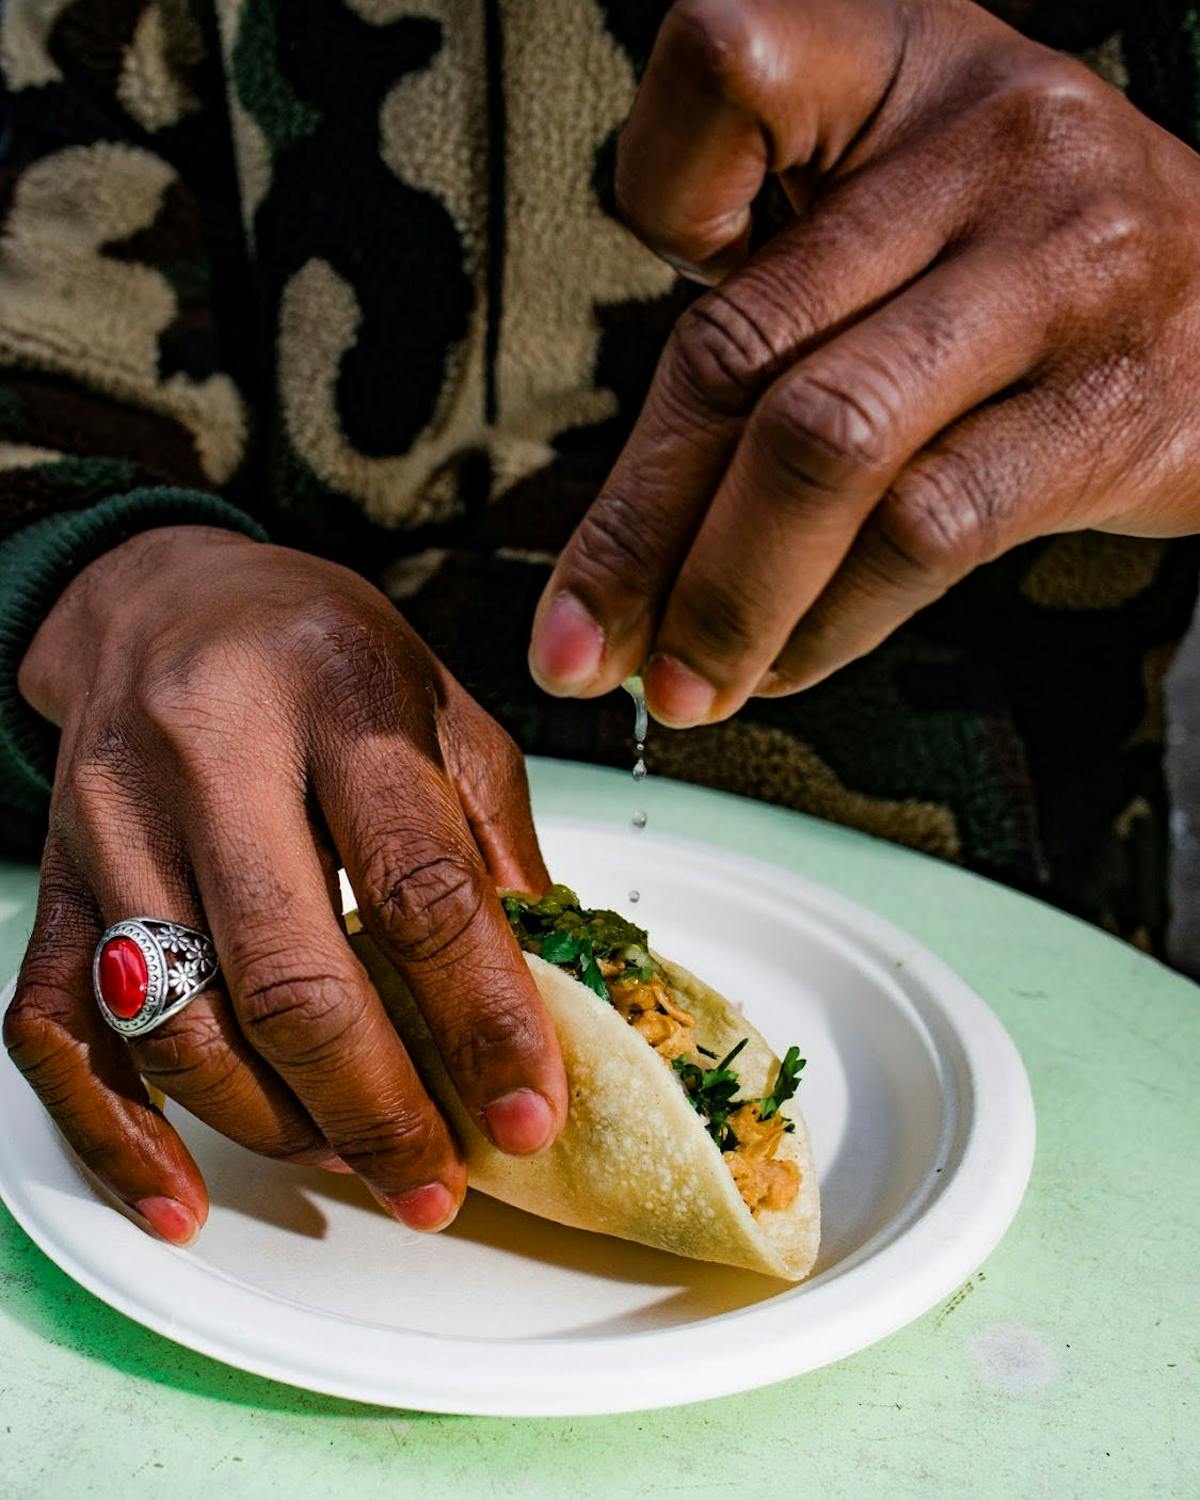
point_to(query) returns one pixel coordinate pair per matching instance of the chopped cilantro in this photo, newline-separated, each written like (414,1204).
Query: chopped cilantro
(786,1084)
(563,947)
(712,1093)
(590,973)
(565,933)
(569,947)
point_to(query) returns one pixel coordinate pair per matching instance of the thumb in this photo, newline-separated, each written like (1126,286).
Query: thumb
(738,89)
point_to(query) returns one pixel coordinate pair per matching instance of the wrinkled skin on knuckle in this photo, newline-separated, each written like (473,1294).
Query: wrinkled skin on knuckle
(937,521)
(183,689)
(500,753)
(823,438)
(358,659)
(424,902)
(1040,104)
(483,1036)
(612,548)
(41,1046)
(95,781)
(711,626)
(405,1139)
(189,1050)
(722,352)
(1123,270)
(66,923)
(296,1013)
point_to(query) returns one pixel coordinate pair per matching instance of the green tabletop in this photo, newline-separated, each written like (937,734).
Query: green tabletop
(1063,1367)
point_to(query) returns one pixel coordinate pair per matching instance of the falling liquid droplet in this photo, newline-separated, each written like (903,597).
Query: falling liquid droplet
(641,724)
(641,719)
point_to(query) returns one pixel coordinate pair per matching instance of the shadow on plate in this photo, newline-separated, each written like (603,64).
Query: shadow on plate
(291,1199)
(53,1307)
(699,1291)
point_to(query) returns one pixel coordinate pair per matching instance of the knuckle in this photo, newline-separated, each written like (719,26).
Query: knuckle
(1115,235)
(821,436)
(190,1049)
(503,753)
(938,522)
(24,1021)
(98,776)
(389,1145)
(196,725)
(712,624)
(720,43)
(359,666)
(425,905)
(188,698)
(722,352)
(485,1036)
(66,922)
(498,763)
(39,1043)
(615,544)
(1043,105)
(289,1014)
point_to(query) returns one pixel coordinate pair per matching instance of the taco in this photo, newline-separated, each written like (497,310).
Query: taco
(683,1132)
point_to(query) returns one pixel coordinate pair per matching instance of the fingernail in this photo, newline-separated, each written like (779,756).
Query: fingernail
(168,1217)
(770,682)
(426,1208)
(568,646)
(678,695)
(520,1122)
(334,1164)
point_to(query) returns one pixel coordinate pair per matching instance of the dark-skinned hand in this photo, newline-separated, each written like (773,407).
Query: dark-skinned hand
(981,327)
(237,720)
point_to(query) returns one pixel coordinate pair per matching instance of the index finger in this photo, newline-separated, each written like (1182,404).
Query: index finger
(597,614)
(427,899)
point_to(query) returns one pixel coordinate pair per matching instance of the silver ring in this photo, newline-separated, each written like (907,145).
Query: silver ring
(146,970)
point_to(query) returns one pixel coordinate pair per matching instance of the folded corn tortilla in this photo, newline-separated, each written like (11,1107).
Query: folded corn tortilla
(634,1158)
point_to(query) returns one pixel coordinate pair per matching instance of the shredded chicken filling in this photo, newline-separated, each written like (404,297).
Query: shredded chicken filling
(651,1009)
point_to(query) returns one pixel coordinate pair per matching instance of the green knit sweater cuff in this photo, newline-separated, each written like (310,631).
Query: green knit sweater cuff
(36,565)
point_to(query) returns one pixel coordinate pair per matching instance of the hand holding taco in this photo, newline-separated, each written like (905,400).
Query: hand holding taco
(683,1131)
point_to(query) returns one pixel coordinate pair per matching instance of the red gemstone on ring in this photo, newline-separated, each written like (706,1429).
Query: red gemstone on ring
(123,977)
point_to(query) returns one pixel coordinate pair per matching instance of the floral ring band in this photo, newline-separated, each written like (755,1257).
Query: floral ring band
(146,970)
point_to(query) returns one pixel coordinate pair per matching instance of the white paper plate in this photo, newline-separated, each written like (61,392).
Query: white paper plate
(921,1118)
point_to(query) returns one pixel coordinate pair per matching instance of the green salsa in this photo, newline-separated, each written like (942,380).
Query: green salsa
(559,911)
(562,932)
